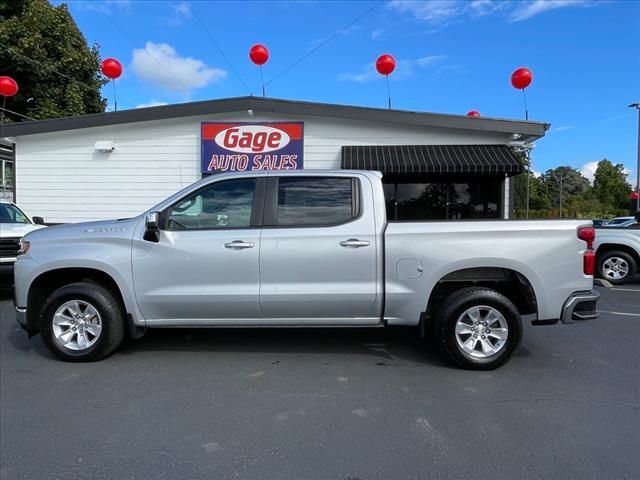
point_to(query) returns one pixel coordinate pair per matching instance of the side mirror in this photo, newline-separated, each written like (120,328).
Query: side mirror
(152,227)
(38,220)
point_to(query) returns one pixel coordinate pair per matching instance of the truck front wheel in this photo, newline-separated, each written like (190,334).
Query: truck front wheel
(82,322)
(478,328)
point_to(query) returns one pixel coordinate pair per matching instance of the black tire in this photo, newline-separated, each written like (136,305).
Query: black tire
(623,256)
(454,306)
(111,316)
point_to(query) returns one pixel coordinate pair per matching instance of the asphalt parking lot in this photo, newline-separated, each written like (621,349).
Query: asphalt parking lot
(326,404)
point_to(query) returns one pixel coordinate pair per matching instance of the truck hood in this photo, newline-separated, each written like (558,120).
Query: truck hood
(86,230)
(9,230)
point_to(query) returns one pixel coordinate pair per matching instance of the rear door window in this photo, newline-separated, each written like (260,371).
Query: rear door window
(316,201)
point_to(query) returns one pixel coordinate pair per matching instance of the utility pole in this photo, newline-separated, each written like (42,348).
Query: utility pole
(561,193)
(636,105)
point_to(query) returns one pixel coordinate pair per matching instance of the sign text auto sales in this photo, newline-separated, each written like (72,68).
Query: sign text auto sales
(241,147)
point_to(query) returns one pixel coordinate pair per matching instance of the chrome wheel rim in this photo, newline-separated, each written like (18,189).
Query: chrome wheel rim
(615,268)
(481,331)
(76,325)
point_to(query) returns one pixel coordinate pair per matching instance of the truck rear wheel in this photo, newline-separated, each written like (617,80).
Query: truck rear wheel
(82,322)
(478,328)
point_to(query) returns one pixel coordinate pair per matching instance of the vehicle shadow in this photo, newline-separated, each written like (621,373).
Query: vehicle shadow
(386,346)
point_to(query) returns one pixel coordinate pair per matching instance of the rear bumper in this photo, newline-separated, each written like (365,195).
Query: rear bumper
(580,306)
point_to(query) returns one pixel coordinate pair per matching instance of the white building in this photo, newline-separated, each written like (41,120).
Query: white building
(119,164)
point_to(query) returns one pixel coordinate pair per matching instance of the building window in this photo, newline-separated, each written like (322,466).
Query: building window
(442,200)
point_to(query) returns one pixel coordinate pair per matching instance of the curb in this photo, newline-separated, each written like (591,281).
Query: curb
(602,283)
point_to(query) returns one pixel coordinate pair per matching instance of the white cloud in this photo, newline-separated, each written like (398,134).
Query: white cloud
(527,10)
(440,12)
(104,7)
(563,128)
(377,33)
(404,69)
(429,11)
(152,103)
(160,65)
(181,13)
(589,170)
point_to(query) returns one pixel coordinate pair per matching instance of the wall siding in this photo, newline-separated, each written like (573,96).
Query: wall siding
(62,178)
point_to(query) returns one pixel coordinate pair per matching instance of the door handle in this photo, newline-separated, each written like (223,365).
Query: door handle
(238,245)
(355,243)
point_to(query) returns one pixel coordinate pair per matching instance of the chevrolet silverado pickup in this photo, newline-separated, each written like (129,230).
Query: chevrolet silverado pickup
(301,249)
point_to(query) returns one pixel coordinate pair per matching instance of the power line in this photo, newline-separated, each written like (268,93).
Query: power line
(16,113)
(323,43)
(48,67)
(135,43)
(195,14)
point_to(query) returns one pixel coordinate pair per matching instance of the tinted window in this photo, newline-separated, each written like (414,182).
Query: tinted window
(439,201)
(314,201)
(220,205)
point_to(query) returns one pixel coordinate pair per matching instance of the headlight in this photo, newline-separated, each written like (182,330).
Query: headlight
(25,245)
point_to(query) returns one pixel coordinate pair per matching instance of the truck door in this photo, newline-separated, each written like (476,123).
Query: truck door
(205,264)
(318,251)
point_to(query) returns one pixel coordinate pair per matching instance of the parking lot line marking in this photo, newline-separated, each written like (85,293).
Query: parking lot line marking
(621,313)
(627,289)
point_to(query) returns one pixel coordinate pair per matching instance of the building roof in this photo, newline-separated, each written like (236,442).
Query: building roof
(530,130)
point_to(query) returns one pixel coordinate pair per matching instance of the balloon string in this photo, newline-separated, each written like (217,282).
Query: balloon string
(262,79)
(526,111)
(388,93)
(4,100)
(115,97)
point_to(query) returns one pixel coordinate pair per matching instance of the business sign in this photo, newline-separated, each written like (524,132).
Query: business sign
(246,147)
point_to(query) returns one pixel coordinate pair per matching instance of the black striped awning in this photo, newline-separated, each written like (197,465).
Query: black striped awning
(432,159)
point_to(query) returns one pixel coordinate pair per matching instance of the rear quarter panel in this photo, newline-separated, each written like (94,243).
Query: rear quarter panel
(547,253)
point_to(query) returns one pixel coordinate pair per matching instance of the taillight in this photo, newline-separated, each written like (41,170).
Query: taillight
(587,234)
(589,262)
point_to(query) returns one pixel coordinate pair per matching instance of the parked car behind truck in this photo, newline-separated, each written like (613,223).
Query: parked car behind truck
(618,253)
(298,249)
(14,223)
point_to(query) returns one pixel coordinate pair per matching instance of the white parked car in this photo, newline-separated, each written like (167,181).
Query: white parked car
(14,224)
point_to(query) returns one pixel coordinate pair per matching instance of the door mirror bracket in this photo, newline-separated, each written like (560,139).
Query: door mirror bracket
(152,227)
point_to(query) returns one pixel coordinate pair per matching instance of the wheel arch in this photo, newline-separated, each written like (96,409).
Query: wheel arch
(47,282)
(507,281)
(609,247)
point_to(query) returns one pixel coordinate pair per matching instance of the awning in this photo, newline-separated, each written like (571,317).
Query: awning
(432,159)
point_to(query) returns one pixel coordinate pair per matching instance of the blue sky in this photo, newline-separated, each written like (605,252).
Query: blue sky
(453,56)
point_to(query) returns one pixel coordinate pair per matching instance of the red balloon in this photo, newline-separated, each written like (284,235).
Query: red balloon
(521,78)
(385,64)
(259,54)
(473,113)
(111,68)
(8,86)
(634,196)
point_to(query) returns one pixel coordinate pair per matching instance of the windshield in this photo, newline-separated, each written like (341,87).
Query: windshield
(11,214)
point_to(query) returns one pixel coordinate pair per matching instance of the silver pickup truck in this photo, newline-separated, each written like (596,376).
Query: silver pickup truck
(304,248)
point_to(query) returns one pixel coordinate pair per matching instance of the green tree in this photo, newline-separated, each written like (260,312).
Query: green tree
(573,184)
(37,40)
(610,185)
